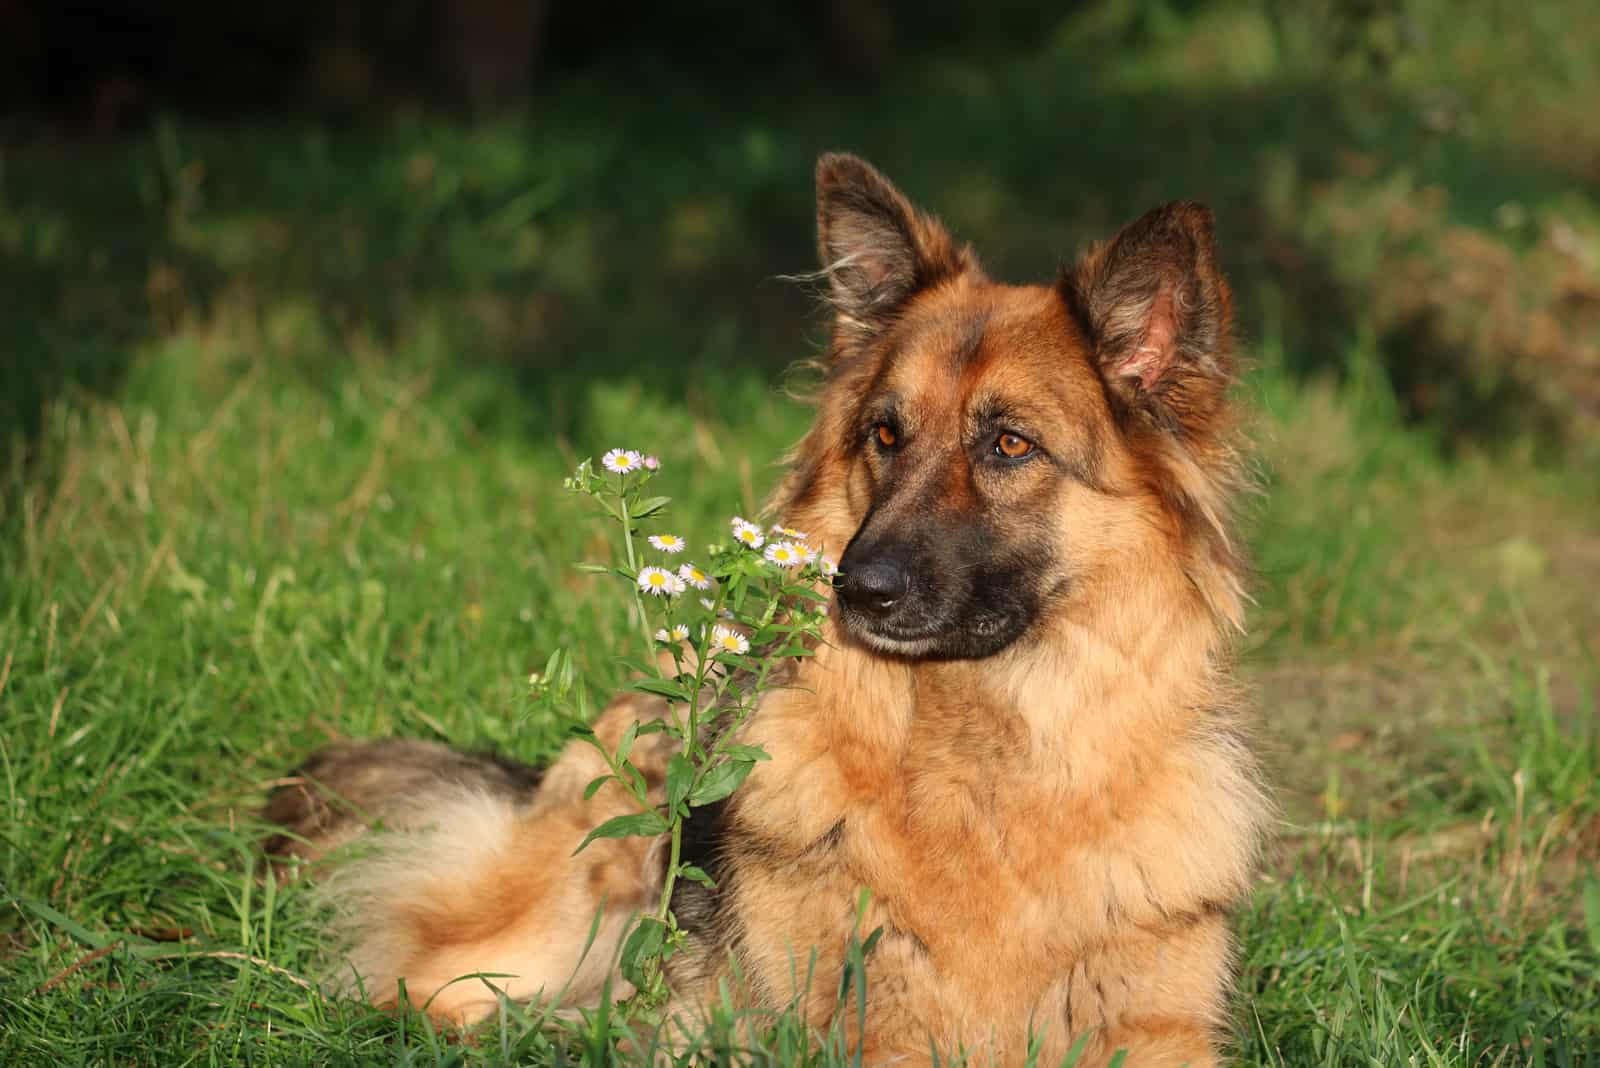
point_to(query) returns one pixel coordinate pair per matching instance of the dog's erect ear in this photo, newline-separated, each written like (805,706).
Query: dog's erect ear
(1159,314)
(877,250)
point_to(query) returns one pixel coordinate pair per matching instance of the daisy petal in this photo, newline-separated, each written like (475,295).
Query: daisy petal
(727,640)
(622,461)
(659,582)
(784,554)
(694,577)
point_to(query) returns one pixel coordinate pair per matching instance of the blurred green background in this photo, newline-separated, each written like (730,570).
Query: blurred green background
(306,311)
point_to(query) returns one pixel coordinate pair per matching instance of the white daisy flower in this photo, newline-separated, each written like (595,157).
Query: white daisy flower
(622,461)
(784,554)
(667,543)
(728,640)
(652,463)
(828,566)
(807,553)
(659,582)
(748,533)
(678,632)
(788,532)
(696,578)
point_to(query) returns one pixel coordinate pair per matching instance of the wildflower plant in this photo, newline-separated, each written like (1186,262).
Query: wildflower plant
(710,655)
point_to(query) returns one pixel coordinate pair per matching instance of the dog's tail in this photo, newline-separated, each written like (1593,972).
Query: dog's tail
(395,784)
(441,865)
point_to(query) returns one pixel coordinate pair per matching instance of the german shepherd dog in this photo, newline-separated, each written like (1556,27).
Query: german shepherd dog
(1020,730)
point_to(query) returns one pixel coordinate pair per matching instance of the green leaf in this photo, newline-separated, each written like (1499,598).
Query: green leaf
(595,784)
(643,945)
(625,745)
(695,875)
(661,688)
(636,782)
(558,672)
(61,920)
(720,781)
(1591,911)
(680,776)
(1075,1054)
(649,507)
(634,825)
(747,752)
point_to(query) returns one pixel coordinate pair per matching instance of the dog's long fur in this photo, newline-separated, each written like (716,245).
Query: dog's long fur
(1031,755)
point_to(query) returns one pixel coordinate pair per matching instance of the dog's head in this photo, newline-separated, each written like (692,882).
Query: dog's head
(986,453)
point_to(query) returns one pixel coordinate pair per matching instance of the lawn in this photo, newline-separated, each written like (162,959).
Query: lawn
(286,409)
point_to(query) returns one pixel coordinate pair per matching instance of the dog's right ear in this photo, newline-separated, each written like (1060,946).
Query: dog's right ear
(1155,305)
(877,249)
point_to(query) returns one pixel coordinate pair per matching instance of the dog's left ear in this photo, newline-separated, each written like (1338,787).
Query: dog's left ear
(1159,314)
(877,250)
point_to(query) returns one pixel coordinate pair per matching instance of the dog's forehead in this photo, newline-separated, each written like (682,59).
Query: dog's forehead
(1011,345)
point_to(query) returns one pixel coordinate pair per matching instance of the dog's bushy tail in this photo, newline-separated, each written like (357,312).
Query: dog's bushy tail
(468,867)
(396,784)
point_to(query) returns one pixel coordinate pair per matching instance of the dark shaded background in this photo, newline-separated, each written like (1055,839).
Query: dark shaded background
(661,154)
(106,67)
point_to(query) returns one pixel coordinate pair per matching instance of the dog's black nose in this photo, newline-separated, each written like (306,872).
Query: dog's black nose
(874,586)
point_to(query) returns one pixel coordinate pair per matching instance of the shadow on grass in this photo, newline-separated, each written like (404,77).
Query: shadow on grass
(637,230)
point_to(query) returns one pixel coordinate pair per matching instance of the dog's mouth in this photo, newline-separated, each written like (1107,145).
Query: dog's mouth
(888,637)
(967,636)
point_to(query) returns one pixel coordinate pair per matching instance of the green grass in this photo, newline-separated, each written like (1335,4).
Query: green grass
(287,410)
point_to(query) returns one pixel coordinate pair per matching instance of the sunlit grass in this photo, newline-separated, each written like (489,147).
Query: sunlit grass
(287,418)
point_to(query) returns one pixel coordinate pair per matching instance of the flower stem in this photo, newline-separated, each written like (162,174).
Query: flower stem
(633,569)
(672,870)
(689,735)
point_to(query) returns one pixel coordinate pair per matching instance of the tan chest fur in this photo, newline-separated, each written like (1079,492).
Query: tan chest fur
(1004,846)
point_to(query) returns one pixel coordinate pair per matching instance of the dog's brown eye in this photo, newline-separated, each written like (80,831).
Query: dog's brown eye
(886,436)
(1012,447)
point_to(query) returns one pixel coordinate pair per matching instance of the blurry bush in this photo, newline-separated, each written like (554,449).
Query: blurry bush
(1491,331)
